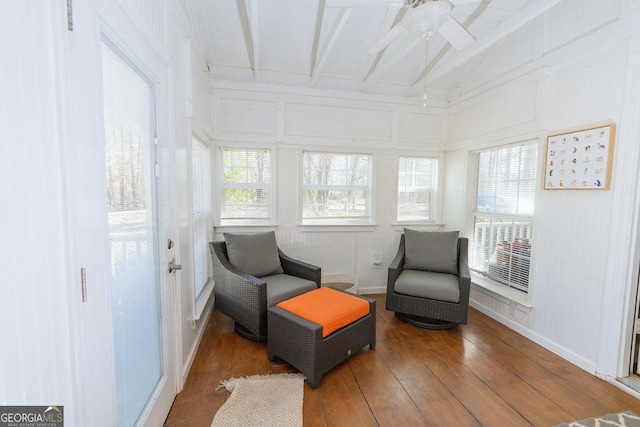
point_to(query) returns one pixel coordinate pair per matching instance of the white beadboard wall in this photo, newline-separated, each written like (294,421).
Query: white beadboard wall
(35,295)
(42,353)
(290,122)
(559,85)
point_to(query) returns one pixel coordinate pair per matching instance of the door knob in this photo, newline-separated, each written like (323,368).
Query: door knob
(173,266)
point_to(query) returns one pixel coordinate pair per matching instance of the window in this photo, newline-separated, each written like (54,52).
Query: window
(336,188)
(201,182)
(417,183)
(503,214)
(245,187)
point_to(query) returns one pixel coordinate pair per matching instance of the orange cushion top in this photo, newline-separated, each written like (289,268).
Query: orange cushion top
(327,307)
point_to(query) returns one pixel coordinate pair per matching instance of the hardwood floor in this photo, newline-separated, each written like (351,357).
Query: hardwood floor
(479,374)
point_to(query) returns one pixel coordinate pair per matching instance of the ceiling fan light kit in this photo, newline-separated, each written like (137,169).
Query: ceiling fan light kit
(426,17)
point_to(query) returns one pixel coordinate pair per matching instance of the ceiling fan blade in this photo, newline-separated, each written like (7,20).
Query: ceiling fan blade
(368,4)
(456,34)
(385,40)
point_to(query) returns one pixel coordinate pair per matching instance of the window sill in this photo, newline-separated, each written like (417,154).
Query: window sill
(245,228)
(400,226)
(486,284)
(203,299)
(327,228)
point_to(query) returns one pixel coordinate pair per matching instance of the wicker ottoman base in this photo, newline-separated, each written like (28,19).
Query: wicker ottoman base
(299,342)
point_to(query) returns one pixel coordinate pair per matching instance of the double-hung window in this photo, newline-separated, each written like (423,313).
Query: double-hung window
(336,188)
(246,187)
(503,213)
(417,184)
(202,215)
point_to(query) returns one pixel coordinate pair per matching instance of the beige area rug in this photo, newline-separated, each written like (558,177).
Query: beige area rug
(262,400)
(621,419)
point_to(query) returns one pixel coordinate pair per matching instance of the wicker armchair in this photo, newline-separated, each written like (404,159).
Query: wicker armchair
(246,298)
(432,300)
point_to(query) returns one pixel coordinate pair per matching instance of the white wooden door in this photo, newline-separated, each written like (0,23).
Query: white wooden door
(118,102)
(134,228)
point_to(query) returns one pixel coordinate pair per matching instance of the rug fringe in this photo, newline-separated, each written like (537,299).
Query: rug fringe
(229,384)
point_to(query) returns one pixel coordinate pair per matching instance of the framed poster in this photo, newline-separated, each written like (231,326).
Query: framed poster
(580,159)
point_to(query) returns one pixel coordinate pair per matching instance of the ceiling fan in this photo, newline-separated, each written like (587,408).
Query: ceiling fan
(422,19)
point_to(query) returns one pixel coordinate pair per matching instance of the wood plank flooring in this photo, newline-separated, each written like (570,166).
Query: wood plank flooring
(479,374)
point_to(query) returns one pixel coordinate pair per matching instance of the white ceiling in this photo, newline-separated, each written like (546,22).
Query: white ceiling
(315,43)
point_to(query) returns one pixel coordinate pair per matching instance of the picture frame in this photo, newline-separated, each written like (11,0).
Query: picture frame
(580,159)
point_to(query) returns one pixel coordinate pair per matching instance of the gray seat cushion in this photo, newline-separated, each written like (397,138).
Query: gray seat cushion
(255,254)
(427,284)
(281,287)
(431,251)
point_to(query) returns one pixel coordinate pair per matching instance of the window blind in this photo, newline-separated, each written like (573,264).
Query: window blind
(503,214)
(201,178)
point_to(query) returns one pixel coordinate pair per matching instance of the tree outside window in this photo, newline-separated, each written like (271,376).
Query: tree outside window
(336,187)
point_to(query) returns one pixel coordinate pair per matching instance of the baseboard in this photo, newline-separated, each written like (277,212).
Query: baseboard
(202,323)
(566,354)
(372,290)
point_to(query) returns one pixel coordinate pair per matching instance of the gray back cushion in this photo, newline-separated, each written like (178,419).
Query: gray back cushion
(255,254)
(435,251)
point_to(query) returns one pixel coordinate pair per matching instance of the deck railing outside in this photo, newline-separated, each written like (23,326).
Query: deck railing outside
(502,250)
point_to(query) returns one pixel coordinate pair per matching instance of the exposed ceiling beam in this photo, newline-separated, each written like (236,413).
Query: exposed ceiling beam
(527,14)
(336,29)
(391,58)
(316,36)
(391,19)
(249,21)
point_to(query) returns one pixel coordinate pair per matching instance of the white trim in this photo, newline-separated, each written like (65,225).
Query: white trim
(572,357)
(495,289)
(283,90)
(415,225)
(244,228)
(619,300)
(191,355)
(330,228)
(372,290)
(203,299)
(616,382)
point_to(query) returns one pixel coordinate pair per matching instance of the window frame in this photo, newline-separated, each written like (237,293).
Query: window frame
(270,220)
(339,222)
(207,211)
(201,298)
(437,194)
(483,278)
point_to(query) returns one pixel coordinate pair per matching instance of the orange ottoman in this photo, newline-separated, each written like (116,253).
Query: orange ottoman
(316,331)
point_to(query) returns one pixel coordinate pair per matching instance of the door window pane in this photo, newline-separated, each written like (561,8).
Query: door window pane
(132,226)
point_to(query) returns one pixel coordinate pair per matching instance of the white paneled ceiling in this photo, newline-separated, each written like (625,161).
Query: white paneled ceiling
(327,44)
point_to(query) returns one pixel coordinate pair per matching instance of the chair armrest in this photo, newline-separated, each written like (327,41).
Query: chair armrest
(300,269)
(395,268)
(464,275)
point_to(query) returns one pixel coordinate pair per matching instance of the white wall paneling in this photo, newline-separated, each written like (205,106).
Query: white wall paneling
(580,86)
(621,290)
(512,110)
(337,122)
(299,121)
(50,162)
(255,113)
(248,117)
(38,362)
